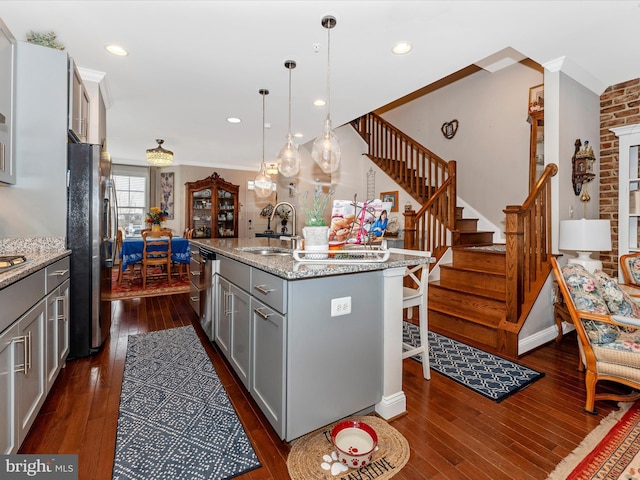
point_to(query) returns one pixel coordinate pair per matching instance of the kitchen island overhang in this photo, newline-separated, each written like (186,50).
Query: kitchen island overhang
(383,312)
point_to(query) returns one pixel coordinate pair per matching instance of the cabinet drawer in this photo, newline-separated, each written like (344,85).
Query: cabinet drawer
(20,297)
(269,289)
(236,272)
(194,251)
(196,268)
(194,298)
(57,273)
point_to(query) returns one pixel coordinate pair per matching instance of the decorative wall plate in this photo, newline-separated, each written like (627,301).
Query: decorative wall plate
(449,129)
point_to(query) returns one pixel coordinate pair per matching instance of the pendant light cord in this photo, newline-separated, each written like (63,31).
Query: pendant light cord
(263,165)
(329,71)
(289,68)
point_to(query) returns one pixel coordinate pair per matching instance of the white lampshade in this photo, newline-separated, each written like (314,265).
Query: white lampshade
(585,236)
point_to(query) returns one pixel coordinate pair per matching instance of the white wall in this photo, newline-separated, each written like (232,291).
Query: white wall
(491,145)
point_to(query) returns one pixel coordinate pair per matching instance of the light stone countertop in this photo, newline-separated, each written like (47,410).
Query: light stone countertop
(286,267)
(35,261)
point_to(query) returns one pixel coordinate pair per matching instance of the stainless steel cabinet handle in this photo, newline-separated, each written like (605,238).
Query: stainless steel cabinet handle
(28,354)
(260,313)
(227,303)
(194,299)
(60,273)
(23,366)
(60,308)
(263,290)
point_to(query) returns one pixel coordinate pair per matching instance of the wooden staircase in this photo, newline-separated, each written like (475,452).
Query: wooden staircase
(484,296)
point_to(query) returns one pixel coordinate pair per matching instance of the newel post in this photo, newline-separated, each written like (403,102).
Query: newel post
(410,240)
(514,262)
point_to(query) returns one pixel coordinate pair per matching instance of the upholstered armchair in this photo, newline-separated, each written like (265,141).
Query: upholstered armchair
(630,266)
(607,322)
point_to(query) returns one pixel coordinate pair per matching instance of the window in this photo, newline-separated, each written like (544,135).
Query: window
(132,191)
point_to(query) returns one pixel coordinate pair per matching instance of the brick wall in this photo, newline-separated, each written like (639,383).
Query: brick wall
(619,106)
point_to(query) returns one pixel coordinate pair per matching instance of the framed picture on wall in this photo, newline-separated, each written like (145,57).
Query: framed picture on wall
(391,197)
(166,181)
(536,98)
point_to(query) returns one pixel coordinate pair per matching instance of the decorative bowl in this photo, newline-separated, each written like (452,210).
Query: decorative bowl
(354,442)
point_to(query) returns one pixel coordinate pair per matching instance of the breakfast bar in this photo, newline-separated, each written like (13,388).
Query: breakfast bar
(312,342)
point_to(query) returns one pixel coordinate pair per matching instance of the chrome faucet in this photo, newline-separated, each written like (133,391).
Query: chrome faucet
(293,216)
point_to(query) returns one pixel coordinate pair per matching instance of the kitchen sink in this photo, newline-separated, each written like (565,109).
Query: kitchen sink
(266,251)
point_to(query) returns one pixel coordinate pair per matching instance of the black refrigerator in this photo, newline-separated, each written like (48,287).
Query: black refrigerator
(91,236)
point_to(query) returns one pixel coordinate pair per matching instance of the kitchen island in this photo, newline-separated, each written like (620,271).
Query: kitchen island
(311,342)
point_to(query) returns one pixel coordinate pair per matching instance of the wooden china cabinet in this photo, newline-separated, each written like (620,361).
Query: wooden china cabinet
(212,207)
(536,149)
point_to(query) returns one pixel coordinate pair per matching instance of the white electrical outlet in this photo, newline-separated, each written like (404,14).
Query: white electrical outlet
(340,306)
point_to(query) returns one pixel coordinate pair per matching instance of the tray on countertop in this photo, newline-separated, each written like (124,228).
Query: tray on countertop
(359,255)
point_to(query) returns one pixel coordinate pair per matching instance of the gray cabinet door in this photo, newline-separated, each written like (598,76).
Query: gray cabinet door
(63,324)
(268,363)
(7,86)
(31,384)
(8,415)
(222,317)
(240,354)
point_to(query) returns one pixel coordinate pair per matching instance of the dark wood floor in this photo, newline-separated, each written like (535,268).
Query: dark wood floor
(453,432)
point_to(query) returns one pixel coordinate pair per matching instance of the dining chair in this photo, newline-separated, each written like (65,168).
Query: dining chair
(156,252)
(416,296)
(185,267)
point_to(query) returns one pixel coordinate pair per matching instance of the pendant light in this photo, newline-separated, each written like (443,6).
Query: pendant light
(263,186)
(289,156)
(158,156)
(326,148)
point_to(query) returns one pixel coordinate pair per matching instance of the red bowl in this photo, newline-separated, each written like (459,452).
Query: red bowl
(354,442)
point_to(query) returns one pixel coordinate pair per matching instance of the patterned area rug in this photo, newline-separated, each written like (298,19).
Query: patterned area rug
(176,421)
(487,374)
(611,450)
(155,286)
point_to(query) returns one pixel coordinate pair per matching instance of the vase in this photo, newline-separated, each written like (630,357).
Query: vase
(316,239)
(155,227)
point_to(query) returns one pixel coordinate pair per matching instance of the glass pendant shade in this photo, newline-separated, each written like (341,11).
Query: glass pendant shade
(326,149)
(263,187)
(262,183)
(289,158)
(159,157)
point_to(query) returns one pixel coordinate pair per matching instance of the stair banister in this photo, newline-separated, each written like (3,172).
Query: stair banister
(528,246)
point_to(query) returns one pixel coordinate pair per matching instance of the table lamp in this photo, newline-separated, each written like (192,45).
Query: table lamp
(585,236)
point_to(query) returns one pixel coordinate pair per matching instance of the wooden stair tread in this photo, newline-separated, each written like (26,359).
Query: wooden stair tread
(471,289)
(464,269)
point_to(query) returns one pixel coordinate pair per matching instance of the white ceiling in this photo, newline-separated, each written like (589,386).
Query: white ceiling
(192,64)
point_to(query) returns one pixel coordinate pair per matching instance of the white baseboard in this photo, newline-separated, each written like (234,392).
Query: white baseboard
(540,338)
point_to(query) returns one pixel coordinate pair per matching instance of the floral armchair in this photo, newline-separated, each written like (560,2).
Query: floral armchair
(607,321)
(630,266)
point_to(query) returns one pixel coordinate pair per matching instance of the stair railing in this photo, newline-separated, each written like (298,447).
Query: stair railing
(528,236)
(417,169)
(427,177)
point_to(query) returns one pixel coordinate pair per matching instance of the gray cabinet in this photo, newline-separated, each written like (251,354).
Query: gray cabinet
(34,344)
(240,344)
(7,98)
(78,105)
(268,362)
(222,318)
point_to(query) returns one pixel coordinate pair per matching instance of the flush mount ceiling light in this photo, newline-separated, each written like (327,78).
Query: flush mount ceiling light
(326,148)
(289,156)
(159,157)
(401,48)
(319,103)
(117,50)
(262,184)
(233,120)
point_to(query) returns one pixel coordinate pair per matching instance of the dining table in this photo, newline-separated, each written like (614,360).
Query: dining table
(131,251)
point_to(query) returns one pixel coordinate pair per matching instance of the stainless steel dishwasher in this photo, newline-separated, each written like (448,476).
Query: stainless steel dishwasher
(210,268)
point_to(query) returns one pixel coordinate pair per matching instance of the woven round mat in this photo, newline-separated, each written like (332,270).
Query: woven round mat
(310,452)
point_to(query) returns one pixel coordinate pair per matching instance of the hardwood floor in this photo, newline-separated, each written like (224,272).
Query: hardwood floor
(453,432)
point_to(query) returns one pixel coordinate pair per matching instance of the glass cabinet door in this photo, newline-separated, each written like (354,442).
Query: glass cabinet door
(226,213)
(201,209)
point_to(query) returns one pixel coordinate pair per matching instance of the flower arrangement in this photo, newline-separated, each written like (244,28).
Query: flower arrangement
(314,212)
(156,216)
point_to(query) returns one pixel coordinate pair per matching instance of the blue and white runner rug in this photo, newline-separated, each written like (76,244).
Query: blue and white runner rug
(176,421)
(489,375)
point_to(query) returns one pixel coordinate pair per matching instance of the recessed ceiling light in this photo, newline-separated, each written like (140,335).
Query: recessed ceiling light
(233,120)
(401,48)
(116,50)
(298,135)
(319,103)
